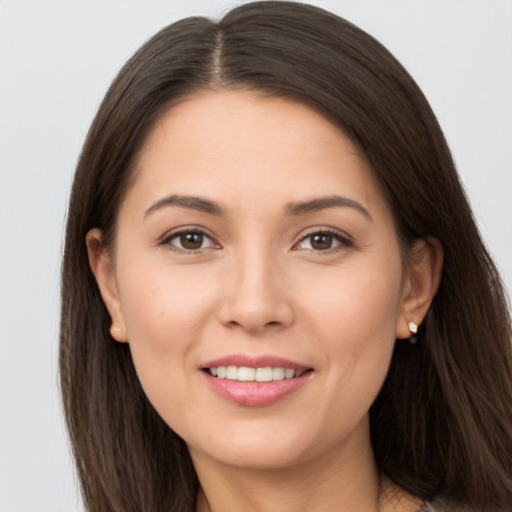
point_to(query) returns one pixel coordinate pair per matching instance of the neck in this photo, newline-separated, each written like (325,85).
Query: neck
(343,479)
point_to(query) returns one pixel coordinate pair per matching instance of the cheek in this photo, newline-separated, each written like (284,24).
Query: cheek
(354,318)
(163,299)
(358,307)
(165,311)
(164,314)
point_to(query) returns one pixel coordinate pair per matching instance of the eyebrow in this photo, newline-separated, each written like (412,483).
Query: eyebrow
(322,203)
(295,208)
(191,202)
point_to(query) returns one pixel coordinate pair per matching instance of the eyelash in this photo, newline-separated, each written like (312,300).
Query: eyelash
(343,240)
(167,238)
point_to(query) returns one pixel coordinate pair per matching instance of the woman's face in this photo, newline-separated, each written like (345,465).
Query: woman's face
(258,280)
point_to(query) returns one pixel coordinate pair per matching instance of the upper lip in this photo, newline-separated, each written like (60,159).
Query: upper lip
(261,361)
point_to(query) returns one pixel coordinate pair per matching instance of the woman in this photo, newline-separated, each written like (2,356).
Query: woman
(264,213)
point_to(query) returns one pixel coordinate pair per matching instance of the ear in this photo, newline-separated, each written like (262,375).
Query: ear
(421,282)
(101,266)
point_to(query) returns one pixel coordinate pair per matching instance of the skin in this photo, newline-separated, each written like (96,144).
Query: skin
(260,284)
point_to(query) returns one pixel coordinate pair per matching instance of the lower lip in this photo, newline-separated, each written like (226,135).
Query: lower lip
(255,394)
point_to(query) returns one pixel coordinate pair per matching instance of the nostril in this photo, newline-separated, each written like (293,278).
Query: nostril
(255,315)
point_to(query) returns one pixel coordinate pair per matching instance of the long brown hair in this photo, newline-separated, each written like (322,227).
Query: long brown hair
(442,424)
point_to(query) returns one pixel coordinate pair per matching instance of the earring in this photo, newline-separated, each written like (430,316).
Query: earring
(413,329)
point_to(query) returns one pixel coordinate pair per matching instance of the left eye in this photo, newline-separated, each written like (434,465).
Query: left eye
(190,240)
(322,241)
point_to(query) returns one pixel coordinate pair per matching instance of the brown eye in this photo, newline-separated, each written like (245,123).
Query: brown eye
(189,241)
(321,241)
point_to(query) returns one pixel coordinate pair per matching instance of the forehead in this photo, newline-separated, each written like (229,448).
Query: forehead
(236,144)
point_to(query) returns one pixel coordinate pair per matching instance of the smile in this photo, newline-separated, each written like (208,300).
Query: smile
(248,374)
(255,381)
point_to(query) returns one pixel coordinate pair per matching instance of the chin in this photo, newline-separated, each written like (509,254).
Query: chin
(277,447)
(252,457)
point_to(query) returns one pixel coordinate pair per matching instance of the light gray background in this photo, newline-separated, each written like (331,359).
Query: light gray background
(56,61)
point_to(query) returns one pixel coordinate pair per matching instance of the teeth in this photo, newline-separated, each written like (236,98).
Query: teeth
(289,373)
(246,374)
(278,373)
(232,373)
(264,374)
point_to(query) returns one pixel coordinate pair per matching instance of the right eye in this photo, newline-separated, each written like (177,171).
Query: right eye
(189,240)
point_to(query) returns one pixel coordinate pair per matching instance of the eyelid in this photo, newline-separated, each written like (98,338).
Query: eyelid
(345,241)
(165,239)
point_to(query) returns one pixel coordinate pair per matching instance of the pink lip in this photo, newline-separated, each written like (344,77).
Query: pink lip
(254,362)
(255,394)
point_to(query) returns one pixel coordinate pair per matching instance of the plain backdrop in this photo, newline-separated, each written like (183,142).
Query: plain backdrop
(56,62)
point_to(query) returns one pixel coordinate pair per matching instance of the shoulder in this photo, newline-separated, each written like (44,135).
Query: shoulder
(442,505)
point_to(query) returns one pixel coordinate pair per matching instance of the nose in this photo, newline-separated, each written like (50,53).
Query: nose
(256,296)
